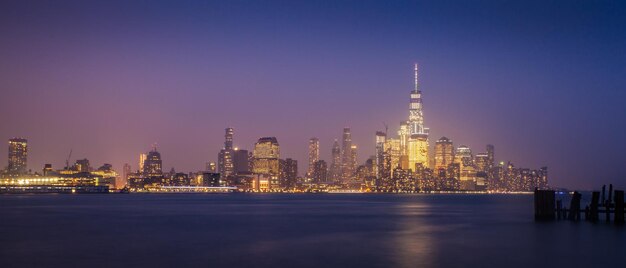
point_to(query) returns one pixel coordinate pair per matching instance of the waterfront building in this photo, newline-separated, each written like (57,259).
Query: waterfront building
(320,172)
(265,159)
(314,155)
(241,159)
(18,156)
(288,173)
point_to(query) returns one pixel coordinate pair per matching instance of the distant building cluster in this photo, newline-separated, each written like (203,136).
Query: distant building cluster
(402,163)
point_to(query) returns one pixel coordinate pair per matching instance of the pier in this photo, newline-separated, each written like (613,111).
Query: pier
(601,207)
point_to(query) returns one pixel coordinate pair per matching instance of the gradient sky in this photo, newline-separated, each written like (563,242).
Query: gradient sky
(544,81)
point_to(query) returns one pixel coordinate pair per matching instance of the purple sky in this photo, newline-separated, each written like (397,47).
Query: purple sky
(544,81)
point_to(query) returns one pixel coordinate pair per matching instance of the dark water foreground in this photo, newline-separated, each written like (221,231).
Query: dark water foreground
(326,230)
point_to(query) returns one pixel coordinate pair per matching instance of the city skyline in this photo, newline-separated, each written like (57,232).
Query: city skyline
(541,95)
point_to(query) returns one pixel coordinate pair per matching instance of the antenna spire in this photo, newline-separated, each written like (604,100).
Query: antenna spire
(416,77)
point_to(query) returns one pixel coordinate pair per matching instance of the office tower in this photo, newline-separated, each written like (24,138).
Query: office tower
(482,162)
(417,143)
(228,138)
(347,163)
(82,165)
(153,165)
(320,172)
(353,161)
(381,173)
(491,155)
(542,182)
(393,153)
(241,163)
(288,173)
(225,156)
(18,152)
(463,156)
(211,167)
(314,155)
(444,153)
(142,161)
(265,159)
(125,174)
(335,164)
(467,179)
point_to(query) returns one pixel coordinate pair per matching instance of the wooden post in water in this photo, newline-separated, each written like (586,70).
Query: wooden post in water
(593,207)
(603,200)
(544,204)
(619,207)
(574,207)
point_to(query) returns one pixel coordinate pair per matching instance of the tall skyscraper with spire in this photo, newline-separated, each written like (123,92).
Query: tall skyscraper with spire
(417,145)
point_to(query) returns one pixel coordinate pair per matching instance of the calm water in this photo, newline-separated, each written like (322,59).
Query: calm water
(326,230)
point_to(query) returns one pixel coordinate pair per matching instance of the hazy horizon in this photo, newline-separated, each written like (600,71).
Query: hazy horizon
(542,81)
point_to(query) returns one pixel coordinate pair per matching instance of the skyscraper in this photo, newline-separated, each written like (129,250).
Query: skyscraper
(320,172)
(444,153)
(153,166)
(241,163)
(125,174)
(265,159)
(18,152)
(348,164)
(288,173)
(335,164)
(417,144)
(225,156)
(314,155)
(142,161)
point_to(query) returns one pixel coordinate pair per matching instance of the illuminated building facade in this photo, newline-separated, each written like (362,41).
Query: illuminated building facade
(265,159)
(18,156)
(225,156)
(142,161)
(348,157)
(320,172)
(314,155)
(417,144)
(288,173)
(153,165)
(444,153)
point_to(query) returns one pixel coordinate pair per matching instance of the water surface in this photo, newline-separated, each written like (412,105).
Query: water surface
(272,230)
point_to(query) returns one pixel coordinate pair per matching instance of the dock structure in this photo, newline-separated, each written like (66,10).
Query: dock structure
(547,207)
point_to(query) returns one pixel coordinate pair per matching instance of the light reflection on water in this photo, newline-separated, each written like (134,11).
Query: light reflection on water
(295,231)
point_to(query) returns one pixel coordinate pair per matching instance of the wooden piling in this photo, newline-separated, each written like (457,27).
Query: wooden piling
(574,207)
(559,207)
(544,205)
(619,207)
